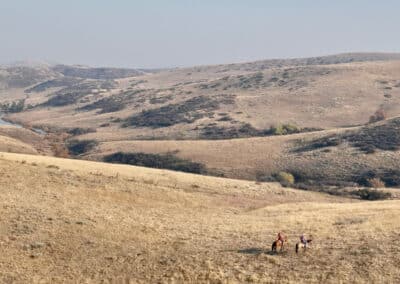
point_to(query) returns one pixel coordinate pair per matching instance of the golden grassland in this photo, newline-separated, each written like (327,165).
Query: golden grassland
(77,221)
(326,96)
(248,158)
(8,144)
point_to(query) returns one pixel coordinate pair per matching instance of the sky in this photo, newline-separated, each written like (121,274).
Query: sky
(176,33)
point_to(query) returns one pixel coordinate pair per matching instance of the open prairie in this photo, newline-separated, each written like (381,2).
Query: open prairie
(210,102)
(77,221)
(312,117)
(210,142)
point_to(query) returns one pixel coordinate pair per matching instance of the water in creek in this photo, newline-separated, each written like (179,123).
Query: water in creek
(37,130)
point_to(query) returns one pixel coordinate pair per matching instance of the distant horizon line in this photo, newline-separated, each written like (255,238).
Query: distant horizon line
(52,63)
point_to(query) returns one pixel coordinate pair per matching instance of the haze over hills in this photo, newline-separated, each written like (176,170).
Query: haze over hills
(289,128)
(101,111)
(208,142)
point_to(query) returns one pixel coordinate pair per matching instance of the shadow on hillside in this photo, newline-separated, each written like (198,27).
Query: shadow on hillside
(254,251)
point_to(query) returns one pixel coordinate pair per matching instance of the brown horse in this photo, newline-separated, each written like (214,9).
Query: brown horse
(278,244)
(301,245)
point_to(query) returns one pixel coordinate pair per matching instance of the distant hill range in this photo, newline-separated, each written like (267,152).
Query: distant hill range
(265,108)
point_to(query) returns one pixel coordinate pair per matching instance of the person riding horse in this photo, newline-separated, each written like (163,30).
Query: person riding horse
(279,242)
(304,242)
(281,238)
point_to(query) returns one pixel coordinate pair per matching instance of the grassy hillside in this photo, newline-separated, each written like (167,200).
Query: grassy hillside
(324,157)
(215,102)
(246,120)
(86,221)
(11,145)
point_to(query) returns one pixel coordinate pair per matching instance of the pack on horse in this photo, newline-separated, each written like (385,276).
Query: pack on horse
(303,243)
(279,243)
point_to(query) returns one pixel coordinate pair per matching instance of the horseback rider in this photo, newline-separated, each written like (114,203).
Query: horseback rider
(281,237)
(303,240)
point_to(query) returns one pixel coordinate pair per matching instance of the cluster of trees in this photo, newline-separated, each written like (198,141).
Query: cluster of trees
(15,106)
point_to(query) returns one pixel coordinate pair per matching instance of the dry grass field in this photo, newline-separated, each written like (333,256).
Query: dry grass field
(318,92)
(77,221)
(249,158)
(219,116)
(11,145)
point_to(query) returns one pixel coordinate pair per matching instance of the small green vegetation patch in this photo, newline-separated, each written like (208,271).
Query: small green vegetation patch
(285,178)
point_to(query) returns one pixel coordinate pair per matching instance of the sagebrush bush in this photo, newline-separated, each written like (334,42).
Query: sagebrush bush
(376,182)
(377,116)
(78,147)
(159,161)
(372,194)
(285,178)
(284,129)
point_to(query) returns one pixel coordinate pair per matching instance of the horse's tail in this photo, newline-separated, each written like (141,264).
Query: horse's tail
(297,247)
(273,247)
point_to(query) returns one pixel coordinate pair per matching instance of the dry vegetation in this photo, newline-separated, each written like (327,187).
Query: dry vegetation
(169,111)
(327,124)
(326,92)
(93,222)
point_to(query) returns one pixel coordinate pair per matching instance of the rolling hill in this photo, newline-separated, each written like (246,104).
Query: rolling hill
(223,119)
(332,122)
(94,222)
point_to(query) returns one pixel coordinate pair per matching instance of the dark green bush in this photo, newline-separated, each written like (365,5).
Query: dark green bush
(284,129)
(106,105)
(371,194)
(16,106)
(159,161)
(183,112)
(80,131)
(78,147)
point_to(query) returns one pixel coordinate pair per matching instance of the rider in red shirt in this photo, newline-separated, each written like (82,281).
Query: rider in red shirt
(281,237)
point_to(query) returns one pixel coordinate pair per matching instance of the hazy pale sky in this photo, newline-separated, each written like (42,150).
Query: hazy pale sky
(167,33)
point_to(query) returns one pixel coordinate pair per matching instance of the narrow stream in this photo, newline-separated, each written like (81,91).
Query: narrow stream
(36,130)
(3,122)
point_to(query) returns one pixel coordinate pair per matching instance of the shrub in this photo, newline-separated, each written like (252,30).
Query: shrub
(78,147)
(106,105)
(80,131)
(384,137)
(183,112)
(160,161)
(60,100)
(285,178)
(375,182)
(377,116)
(14,107)
(371,194)
(263,177)
(389,177)
(59,150)
(212,131)
(284,129)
